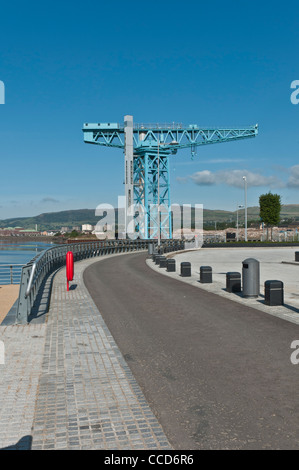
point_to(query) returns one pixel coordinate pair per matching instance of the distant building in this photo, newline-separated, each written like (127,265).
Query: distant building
(29,232)
(64,229)
(87,228)
(14,229)
(18,232)
(48,233)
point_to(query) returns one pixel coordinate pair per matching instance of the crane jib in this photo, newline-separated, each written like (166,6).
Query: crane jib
(147,148)
(113,135)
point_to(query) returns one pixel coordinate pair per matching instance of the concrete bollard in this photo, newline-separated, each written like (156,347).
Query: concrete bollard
(233,282)
(163,261)
(170,265)
(273,293)
(205,274)
(185,269)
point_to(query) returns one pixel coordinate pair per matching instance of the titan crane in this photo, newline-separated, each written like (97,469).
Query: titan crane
(147,149)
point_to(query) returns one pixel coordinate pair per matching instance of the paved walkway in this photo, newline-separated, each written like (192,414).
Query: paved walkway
(275,263)
(65,384)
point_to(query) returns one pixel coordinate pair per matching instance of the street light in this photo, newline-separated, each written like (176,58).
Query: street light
(239,206)
(245,189)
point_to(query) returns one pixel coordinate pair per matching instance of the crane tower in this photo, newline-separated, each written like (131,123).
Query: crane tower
(147,149)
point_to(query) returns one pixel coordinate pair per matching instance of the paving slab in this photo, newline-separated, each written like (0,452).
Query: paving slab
(65,384)
(276,263)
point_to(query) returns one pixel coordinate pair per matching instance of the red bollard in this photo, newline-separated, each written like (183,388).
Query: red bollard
(69,267)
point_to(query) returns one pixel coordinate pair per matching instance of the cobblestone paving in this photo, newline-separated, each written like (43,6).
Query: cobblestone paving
(19,376)
(66,384)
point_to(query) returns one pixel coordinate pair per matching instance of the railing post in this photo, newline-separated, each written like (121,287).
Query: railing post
(22,309)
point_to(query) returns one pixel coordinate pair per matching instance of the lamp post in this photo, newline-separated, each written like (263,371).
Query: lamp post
(238,207)
(245,190)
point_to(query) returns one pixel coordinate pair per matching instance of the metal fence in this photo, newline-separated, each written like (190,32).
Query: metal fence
(283,236)
(39,268)
(10,273)
(211,238)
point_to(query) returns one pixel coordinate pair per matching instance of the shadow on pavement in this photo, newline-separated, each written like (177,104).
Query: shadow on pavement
(25,443)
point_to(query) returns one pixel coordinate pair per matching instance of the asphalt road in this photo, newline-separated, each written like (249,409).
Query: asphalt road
(216,374)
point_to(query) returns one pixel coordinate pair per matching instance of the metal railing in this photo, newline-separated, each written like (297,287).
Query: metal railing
(10,273)
(39,268)
(168,125)
(217,238)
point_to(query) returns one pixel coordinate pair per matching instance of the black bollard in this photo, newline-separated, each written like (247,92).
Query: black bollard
(185,269)
(205,274)
(273,293)
(233,282)
(157,259)
(170,265)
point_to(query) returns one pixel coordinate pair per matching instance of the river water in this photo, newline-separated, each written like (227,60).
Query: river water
(17,252)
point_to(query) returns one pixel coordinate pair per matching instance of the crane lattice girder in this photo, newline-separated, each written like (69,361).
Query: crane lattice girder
(147,149)
(112,135)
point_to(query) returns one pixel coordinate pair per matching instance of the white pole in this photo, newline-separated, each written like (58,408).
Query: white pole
(245,188)
(237,222)
(238,207)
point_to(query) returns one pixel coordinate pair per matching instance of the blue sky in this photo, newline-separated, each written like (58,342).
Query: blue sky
(210,63)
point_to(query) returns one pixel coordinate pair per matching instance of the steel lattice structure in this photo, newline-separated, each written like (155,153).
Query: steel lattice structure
(147,149)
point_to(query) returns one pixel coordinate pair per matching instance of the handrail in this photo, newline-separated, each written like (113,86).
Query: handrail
(9,265)
(10,273)
(48,261)
(167,125)
(29,287)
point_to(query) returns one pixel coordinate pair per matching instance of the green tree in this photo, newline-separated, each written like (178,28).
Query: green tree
(270,207)
(73,234)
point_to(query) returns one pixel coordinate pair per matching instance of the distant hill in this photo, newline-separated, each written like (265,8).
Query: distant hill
(56,220)
(53,220)
(290,211)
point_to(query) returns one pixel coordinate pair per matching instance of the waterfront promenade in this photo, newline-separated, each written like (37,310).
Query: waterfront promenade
(65,385)
(275,263)
(133,358)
